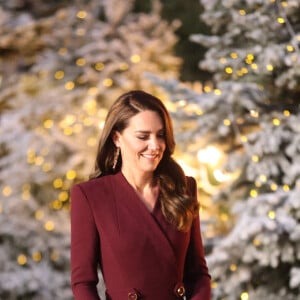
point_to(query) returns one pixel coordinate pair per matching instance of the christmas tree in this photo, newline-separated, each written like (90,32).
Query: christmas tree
(62,64)
(250,113)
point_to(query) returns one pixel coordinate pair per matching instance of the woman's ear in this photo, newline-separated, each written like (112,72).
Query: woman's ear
(116,138)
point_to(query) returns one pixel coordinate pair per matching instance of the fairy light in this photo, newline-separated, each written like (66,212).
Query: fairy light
(272,214)
(269,67)
(244,296)
(63,196)
(233,267)
(228,70)
(48,124)
(22,259)
(242,12)
(274,187)
(226,122)
(255,158)
(135,58)
(49,226)
(276,122)
(37,256)
(107,82)
(71,174)
(234,55)
(47,167)
(254,66)
(286,187)
(57,183)
(59,74)
(81,14)
(80,62)
(69,85)
(207,89)
(7,191)
(217,92)
(286,113)
(280,20)
(256,242)
(290,48)
(253,193)
(39,214)
(99,66)
(249,59)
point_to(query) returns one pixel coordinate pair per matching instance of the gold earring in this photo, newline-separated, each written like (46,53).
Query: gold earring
(116,157)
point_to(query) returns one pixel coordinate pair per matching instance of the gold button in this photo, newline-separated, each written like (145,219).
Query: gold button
(180,291)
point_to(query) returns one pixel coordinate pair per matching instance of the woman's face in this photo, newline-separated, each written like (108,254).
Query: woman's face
(142,142)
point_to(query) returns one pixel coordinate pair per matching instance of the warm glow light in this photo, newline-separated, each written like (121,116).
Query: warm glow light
(22,259)
(280,20)
(269,67)
(274,187)
(57,183)
(217,92)
(287,113)
(256,242)
(233,55)
(290,48)
(242,12)
(63,196)
(71,174)
(210,155)
(272,214)
(253,193)
(233,267)
(255,158)
(223,60)
(59,74)
(244,296)
(107,82)
(276,122)
(80,61)
(81,14)
(99,66)
(69,85)
(49,225)
(286,188)
(48,124)
(7,191)
(39,214)
(37,256)
(228,70)
(135,58)
(226,122)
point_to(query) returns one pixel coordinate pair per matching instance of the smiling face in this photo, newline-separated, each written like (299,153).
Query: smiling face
(142,143)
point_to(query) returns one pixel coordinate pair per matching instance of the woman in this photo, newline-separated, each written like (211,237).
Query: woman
(137,217)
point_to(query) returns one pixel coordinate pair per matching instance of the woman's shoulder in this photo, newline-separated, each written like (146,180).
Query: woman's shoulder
(94,184)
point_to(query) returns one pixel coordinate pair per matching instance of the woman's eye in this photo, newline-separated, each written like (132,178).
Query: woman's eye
(142,137)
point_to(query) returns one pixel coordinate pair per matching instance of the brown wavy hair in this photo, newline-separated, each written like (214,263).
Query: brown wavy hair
(178,207)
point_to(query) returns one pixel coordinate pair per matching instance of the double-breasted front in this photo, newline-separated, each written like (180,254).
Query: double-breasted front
(141,255)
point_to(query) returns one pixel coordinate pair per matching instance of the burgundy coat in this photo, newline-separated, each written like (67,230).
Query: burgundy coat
(141,255)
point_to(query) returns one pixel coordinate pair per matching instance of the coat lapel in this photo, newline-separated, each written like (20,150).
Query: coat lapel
(144,221)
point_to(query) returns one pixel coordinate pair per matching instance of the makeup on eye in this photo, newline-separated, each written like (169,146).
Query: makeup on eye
(144,135)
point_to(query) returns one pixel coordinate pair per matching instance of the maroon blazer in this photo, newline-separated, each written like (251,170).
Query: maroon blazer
(141,255)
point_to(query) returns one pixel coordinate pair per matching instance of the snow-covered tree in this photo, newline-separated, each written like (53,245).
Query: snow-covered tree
(250,111)
(61,66)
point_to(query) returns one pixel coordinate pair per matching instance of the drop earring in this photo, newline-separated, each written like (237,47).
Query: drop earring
(116,157)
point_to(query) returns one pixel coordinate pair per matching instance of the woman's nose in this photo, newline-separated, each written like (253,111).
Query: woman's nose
(154,144)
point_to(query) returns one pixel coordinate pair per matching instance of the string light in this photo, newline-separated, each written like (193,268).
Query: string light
(7,191)
(272,214)
(135,58)
(22,259)
(244,296)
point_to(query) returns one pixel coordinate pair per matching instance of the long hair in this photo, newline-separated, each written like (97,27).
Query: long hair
(177,206)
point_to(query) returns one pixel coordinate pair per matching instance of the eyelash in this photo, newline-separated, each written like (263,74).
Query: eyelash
(145,137)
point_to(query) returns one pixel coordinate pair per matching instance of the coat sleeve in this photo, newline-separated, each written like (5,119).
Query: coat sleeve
(84,247)
(196,276)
